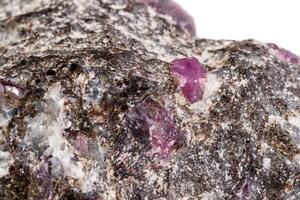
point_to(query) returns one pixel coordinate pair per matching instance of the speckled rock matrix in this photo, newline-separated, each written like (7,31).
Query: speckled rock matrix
(94,106)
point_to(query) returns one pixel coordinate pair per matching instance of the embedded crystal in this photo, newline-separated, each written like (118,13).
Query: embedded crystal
(284,54)
(168,7)
(152,123)
(192,76)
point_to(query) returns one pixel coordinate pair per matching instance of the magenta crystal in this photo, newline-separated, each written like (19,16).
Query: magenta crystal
(163,133)
(81,143)
(150,121)
(192,76)
(171,8)
(284,54)
(41,183)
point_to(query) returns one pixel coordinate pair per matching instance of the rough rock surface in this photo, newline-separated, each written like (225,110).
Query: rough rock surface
(91,110)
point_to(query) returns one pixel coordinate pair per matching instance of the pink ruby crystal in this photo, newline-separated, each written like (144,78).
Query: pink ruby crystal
(192,76)
(171,8)
(283,54)
(163,133)
(152,122)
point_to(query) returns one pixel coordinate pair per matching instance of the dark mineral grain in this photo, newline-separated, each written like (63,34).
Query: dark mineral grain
(116,99)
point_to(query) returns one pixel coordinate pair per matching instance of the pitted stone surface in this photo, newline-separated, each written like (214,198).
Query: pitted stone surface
(90,108)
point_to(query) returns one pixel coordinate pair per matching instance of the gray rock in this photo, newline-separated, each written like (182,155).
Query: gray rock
(91,110)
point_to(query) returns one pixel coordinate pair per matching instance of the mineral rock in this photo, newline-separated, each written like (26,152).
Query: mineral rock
(115,99)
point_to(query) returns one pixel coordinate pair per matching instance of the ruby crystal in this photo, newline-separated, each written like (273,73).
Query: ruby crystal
(284,54)
(192,76)
(171,8)
(150,121)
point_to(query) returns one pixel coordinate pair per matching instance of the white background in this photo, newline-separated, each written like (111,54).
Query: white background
(276,21)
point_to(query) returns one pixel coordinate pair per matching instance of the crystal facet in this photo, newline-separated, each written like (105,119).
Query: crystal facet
(153,122)
(191,75)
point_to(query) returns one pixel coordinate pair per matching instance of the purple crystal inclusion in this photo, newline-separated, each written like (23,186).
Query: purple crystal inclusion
(192,76)
(7,84)
(284,54)
(41,183)
(152,122)
(245,192)
(81,143)
(163,133)
(171,8)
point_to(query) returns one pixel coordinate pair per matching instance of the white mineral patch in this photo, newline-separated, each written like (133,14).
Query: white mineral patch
(6,160)
(5,117)
(47,128)
(276,119)
(91,177)
(8,38)
(149,44)
(208,196)
(294,130)
(78,34)
(264,147)
(248,128)
(81,4)
(211,87)
(297,159)
(154,178)
(110,193)
(158,44)
(266,163)
(295,121)
(243,82)
(19,7)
